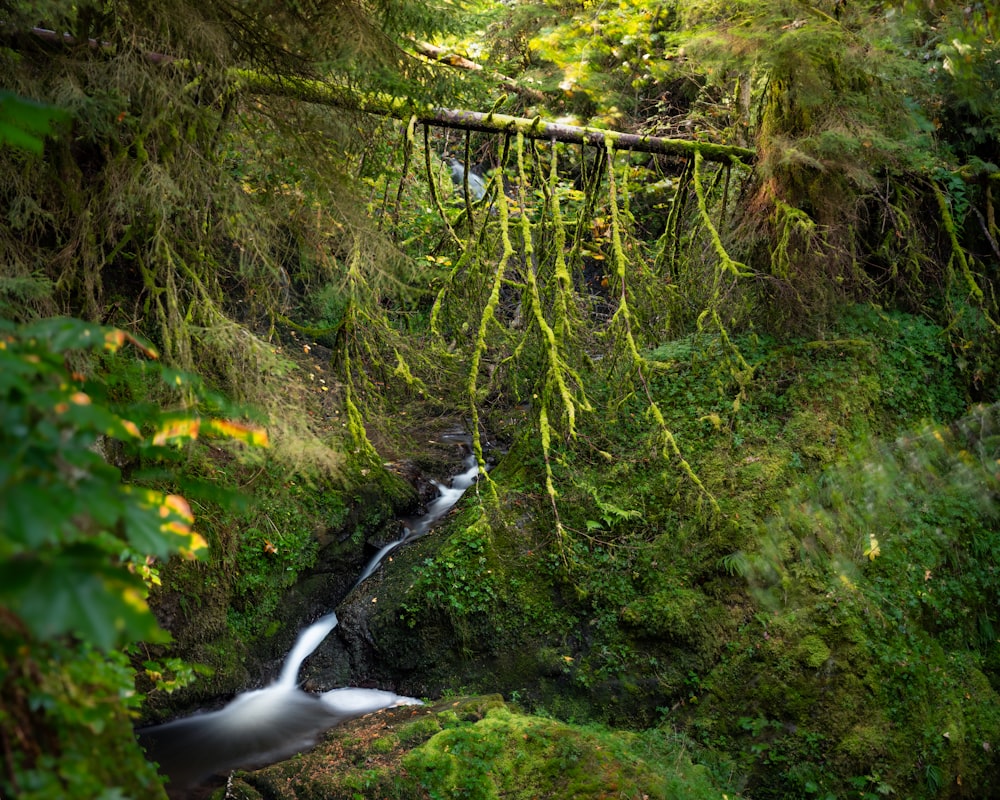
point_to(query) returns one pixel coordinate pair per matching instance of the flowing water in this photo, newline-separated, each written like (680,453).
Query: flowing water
(266,725)
(442,504)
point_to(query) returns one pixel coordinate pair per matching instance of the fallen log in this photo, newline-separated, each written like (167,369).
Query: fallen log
(314,91)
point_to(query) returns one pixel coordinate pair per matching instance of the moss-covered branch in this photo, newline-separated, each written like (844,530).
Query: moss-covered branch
(313,91)
(452,59)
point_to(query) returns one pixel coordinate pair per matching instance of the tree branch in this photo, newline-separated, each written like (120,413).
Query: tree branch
(443,56)
(312,91)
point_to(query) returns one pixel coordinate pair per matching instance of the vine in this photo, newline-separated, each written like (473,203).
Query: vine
(742,371)
(736,268)
(957,251)
(487,316)
(557,368)
(432,185)
(668,444)
(404,170)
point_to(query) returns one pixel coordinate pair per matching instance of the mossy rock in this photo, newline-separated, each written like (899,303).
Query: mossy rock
(479,747)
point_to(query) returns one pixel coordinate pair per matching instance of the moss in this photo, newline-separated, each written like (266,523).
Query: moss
(769,657)
(418,731)
(864,746)
(512,755)
(812,651)
(672,612)
(384,744)
(478,747)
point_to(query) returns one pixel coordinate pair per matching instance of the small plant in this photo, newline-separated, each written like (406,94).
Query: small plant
(78,555)
(459,580)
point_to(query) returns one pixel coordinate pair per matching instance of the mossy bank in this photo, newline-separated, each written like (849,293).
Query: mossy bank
(481,748)
(821,631)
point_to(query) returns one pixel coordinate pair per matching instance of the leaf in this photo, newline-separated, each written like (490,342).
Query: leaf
(873,551)
(177,428)
(64,333)
(79,591)
(143,530)
(34,514)
(160,525)
(25,123)
(114,338)
(253,435)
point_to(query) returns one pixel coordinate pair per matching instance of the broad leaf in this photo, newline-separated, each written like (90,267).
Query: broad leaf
(78,592)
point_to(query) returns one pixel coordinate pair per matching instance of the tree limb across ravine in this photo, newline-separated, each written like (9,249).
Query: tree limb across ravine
(314,91)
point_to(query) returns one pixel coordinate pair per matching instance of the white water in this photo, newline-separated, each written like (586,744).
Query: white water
(447,497)
(308,641)
(267,725)
(261,726)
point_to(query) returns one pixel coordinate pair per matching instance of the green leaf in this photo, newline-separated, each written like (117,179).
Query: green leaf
(144,529)
(25,124)
(79,591)
(65,333)
(34,514)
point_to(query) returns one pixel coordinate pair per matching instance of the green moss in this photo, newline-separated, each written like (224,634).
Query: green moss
(517,756)
(384,744)
(479,748)
(754,634)
(419,730)
(813,652)
(865,745)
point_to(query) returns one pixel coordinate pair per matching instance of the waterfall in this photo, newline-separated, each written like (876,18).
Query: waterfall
(447,497)
(261,726)
(266,725)
(308,641)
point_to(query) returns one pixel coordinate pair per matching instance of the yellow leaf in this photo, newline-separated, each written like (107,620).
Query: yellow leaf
(132,597)
(132,428)
(177,504)
(113,340)
(249,434)
(197,543)
(873,551)
(184,428)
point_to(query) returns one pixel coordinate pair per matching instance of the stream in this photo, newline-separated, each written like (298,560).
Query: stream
(267,725)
